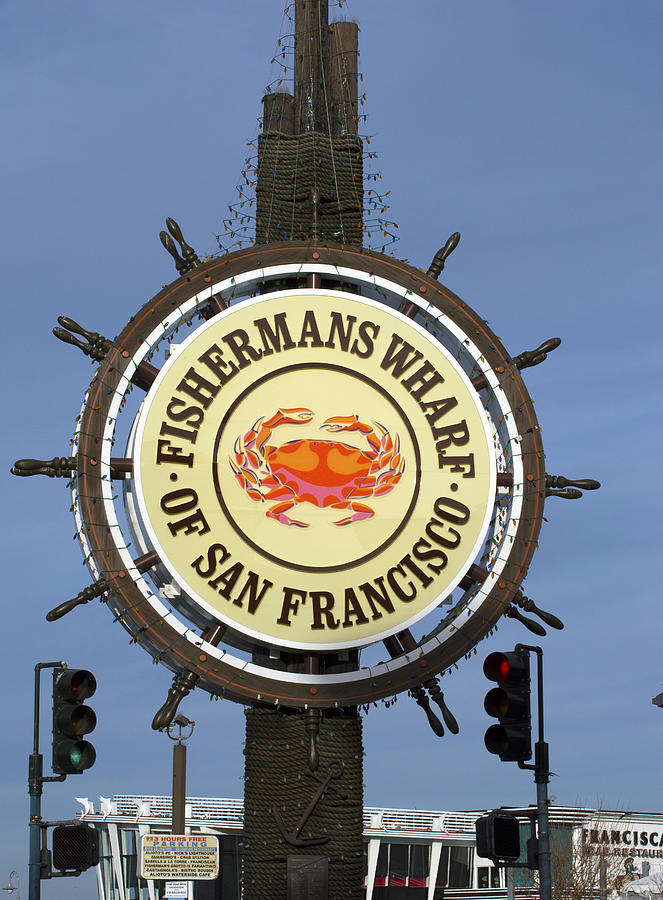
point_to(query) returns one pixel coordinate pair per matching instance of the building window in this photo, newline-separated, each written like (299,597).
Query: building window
(231,868)
(399,864)
(459,867)
(443,869)
(383,866)
(128,853)
(402,866)
(106,863)
(488,877)
(419,865)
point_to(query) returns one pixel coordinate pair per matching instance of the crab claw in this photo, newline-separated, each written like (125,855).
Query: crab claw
(297,415)
(339,423)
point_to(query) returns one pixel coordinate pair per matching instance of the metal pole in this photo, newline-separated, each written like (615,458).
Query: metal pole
(510,884)
(545,880)
(35,770)
(35,789)
(542,777)
(179,787)
(603,878)
(541,769)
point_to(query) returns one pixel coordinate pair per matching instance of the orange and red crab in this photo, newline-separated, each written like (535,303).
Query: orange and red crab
(323,473)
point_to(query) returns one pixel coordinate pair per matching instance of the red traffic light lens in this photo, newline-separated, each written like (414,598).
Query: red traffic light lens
(82,684)
(497,666)
(75,684)
(507,668)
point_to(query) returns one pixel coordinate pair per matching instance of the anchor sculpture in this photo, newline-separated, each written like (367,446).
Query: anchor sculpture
(334,772)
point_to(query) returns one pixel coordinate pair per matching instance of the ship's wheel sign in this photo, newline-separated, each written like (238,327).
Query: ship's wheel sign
(314,469)
(334,454)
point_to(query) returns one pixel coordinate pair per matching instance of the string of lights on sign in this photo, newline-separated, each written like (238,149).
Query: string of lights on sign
(239,226)
(506,439)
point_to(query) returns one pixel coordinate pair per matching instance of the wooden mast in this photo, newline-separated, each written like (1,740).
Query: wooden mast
(308,153)
(309,144)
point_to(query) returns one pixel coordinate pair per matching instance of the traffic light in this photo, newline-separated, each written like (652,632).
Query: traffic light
(509,702)
(498,837)
(72,719)
(75,847)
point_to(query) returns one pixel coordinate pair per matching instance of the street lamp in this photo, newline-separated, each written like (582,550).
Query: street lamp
(13,887)
(179,770)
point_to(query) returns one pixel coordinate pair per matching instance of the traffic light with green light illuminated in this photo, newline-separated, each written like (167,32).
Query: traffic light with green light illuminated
(72,719)
(509,702)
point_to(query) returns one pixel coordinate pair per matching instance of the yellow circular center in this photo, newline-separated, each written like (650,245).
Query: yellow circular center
(314,470)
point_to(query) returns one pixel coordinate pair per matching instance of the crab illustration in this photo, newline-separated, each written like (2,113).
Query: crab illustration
(323,473)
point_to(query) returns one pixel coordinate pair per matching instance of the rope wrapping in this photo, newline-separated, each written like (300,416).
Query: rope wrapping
(290,167)
(276,760)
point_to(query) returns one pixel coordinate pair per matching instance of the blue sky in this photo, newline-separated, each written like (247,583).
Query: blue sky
(533,129)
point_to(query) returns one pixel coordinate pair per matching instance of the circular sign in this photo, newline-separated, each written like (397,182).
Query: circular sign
(351,340)
(314,469)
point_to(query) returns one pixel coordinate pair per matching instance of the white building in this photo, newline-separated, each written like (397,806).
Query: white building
(410,854)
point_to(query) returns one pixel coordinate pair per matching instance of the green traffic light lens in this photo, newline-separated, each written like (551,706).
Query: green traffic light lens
(75,756)
(510,743)
(496,740)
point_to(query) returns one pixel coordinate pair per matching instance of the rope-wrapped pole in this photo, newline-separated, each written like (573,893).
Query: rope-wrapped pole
(278,779)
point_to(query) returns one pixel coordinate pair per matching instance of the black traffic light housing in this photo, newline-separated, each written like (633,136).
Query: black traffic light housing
(75,847)
(72,719)
(509,702)
(498,837)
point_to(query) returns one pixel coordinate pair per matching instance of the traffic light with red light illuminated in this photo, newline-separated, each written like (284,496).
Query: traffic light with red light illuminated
(509,702)
(72,719)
